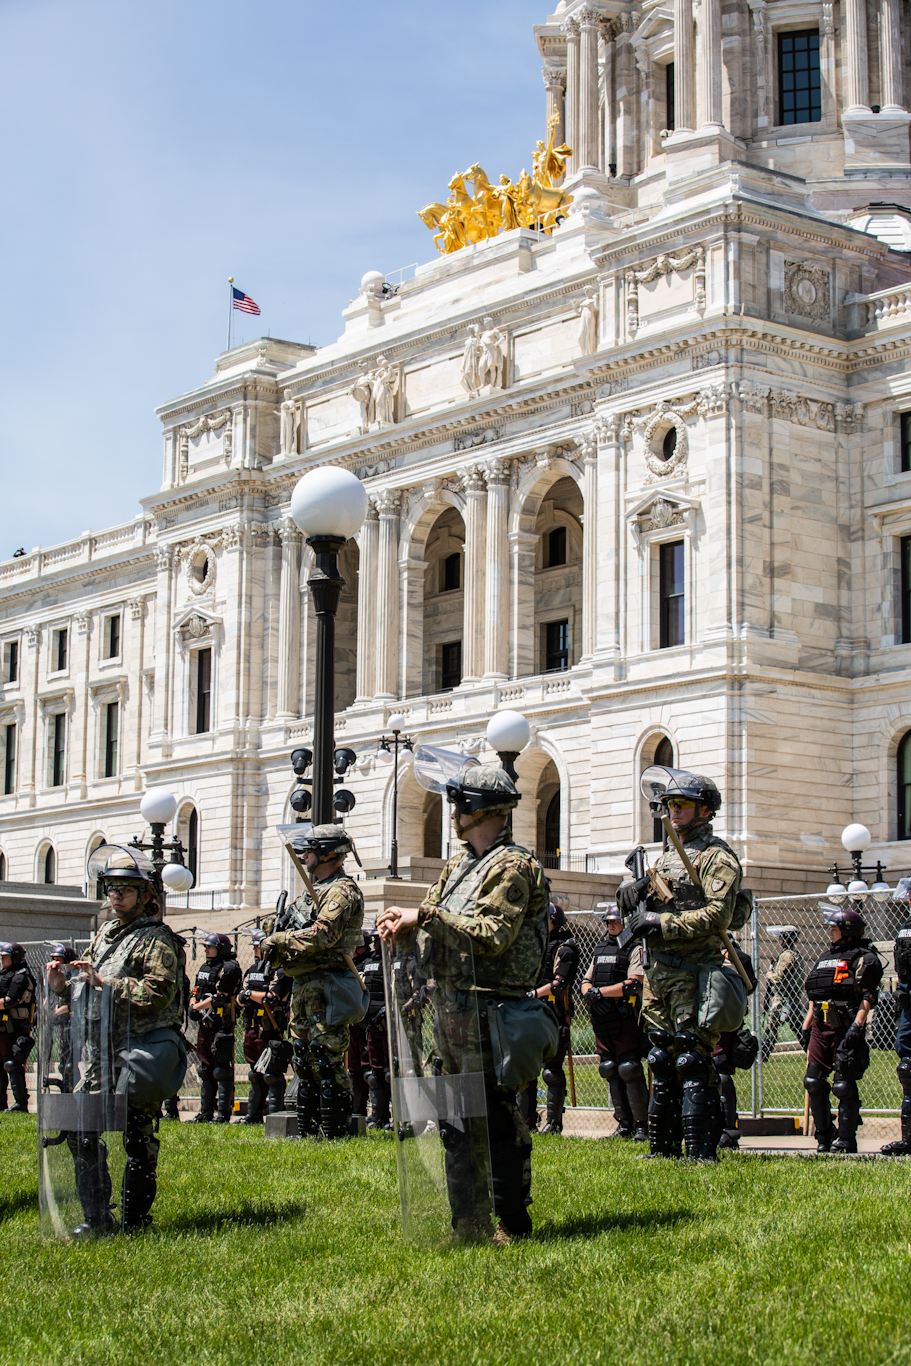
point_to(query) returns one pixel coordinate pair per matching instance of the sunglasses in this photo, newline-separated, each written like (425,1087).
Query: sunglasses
(679,803)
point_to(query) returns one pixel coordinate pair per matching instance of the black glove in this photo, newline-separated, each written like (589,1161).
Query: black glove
(267,951)
(629,895)
(644,923)
(902,1000)
(805,1039)
(243,998)
(854,1036)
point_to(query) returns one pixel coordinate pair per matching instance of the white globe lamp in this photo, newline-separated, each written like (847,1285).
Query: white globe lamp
(856,838)
(329,502)
(176,877)
(158,806)
(397,723)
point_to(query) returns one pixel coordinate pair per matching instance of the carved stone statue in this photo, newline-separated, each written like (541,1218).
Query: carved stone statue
(471,361)
(362,390)
(588,323)
(493,355)
(385,387)
(289,427)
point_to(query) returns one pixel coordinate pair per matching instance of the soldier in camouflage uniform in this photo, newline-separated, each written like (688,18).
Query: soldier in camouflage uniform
(142,962)
(313,946)
(486,922)
(682,936)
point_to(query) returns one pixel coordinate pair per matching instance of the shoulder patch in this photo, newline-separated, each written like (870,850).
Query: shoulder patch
(515,893)
(718,884)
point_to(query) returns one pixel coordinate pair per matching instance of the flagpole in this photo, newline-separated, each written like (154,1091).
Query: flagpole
(230,307)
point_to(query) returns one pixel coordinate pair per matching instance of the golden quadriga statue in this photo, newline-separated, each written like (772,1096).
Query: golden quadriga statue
(532,202)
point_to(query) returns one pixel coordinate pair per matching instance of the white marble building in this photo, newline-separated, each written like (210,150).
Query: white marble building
(681,521)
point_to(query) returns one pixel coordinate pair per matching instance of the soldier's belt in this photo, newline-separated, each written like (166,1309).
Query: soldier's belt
(670,960)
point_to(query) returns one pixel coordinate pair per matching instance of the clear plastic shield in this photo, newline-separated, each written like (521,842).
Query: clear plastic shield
(437,1053)
(82,1115)
(435,768)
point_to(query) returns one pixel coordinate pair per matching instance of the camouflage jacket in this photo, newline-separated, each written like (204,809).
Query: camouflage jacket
(144,964)
(332,929)
(788,973)
(690,927)
(487,921)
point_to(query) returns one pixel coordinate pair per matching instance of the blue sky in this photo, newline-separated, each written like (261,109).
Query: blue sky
(150,151)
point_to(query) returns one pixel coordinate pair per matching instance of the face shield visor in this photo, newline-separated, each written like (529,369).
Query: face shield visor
(441,770)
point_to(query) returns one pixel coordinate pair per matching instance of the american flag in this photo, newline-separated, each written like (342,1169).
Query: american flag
(244,302)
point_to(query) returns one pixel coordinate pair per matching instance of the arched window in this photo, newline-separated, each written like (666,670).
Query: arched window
(193,842)
(664,754)
(904,787)
(50,865)
(2,866)
(552,832)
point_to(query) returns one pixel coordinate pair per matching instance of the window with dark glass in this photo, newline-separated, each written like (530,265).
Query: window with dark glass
(450,665)
(58,750)
(111,734)
(452,576)
(11,661)
(904,788)
(193,843)
(11,738)
(203,666)
(50,865)
(664,754)
(556,547)
(799,99)
(905,573)
(669,97)
(552,833)
(60,643)
(2,867)
(556,646)
(905,443)
(670,593)
(112,638)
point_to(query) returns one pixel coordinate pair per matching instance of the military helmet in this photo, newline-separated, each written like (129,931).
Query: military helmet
(788,934)
(15,951)
(57,949)
(486,788)
(117,863)
(659,782)
(850,922)
(220,942)
(326,841)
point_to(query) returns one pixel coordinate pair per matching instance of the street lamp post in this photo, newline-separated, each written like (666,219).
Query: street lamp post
(159,807)
(329,506)
(396,725)
(508,733)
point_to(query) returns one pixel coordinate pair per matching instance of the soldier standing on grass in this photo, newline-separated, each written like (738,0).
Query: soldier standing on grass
(217,983)
(784,984)
(612,988)
(486,920)
(683,936)
(331,929)
(376,1038)
(17,1011)
(842,988)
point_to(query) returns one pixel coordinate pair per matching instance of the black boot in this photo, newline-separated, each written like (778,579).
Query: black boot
(206,1096)
(701,1114)
(378,1117)
(138,1196)
(170,1109)
(19,1089)
(307,1106)
(256,1099)
(276,1097)
(817,1089)
(555,1098)
(902,1147)
(93,1186)
(730,1136)
(334,1109)
(848,1115)
(622,1112)
(225,1108)
(665,1129)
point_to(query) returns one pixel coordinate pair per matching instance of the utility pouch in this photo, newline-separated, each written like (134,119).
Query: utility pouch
(852,1061)
(720,1000)
(746,1047)
(524,1035)
(153,1068)
(223,1049)
(346,999)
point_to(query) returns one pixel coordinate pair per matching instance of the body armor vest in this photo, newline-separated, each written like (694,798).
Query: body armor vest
(832,979)
(22,1009)
(372,972)
(207,978)
(111,958)
(610,965)
(506,974)
(903,953)
(260,977)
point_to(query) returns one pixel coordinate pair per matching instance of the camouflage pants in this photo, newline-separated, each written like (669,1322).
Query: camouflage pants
(308,1026)
(668,1004)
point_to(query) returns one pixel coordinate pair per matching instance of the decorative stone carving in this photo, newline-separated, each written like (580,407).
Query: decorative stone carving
(375,390)
(83,622)
(581,406)
(807,291)
(570,28)
(227,504)
(497,471)
(554,76)
(661,514)
(713,400)
(587,443)
(136,607)
(588,323)
(371,471)
(654,431)
(825,417)
(492,364)
(472,478)
(200,559)
(664,264)
(706,361)
(33,635)
(164,555)
(195,627)
(753,396)
(850,415)
(482,436)
(208,422)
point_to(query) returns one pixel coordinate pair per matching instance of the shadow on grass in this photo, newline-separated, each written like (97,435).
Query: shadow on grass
(244,1215)
(589,1225)
(15,1204)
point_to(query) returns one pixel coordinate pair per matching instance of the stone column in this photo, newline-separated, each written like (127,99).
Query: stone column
(710,63)
(164,606)
(368,547)
(496,592)
(411,616)
(857,94)
(612,537)
(472,618)
(571,30)
(890,45)
(289,609)
(684,68)
(589,21)
(589,448)
(555,85)
(387,595)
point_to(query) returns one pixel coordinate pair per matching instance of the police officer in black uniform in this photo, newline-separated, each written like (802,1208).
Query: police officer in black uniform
(902,1146)
(17,1013)
(842,989)
(265,1000)
(376,1037)
(217,983)
(612,989)
(735,1049)
(555,983)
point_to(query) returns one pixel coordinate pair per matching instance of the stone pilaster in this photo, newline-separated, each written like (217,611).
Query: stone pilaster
(472,625)
(164,608)
(289,612)
(684,67)
(368,564)
(608,513)
(854,58)
(710,62)
(587,153)
(496,589)
(890,55)
(571,30)
(387,595)
(588,446)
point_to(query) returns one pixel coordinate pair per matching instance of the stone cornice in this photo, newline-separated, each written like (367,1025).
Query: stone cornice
(236,389)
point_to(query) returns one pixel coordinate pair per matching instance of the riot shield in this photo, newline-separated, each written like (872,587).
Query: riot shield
(439,1101)
(82,1032)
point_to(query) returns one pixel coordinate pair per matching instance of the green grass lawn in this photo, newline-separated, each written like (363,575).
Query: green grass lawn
(292,1252)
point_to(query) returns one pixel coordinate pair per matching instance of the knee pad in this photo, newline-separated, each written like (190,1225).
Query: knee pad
(221,1074)
(660,1038)
(607,1068)
(321,1060)
(815,1086)
(692,1066)
(255,1079)
(553,1077)
(205,1072)
(630,1069)
(301,1058)
(661,1061)
(844,1090)
(903,1072)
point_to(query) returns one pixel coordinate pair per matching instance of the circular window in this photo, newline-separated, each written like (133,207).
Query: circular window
(669,444)
(200,569)
(666,442)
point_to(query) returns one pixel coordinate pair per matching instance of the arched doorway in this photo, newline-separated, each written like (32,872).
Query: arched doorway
(433,826)
(664,754)
(548,816)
